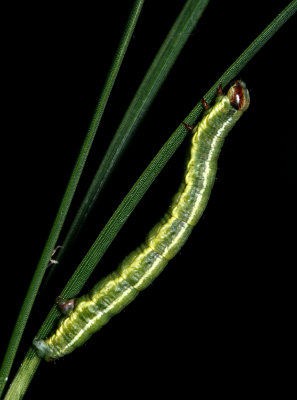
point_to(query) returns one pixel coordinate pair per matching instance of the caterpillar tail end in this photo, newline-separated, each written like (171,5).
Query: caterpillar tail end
(43,350)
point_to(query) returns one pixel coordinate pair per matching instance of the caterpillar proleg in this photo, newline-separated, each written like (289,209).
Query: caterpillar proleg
(90,312)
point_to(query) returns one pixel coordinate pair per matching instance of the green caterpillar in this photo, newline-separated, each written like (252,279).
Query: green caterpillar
(90,312)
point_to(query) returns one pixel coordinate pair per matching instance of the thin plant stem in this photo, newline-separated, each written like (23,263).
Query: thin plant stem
(66,200)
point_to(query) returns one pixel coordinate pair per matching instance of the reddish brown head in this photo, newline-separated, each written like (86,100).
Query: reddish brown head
(239,96)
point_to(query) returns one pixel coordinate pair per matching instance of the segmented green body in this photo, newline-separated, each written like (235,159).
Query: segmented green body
(143,265)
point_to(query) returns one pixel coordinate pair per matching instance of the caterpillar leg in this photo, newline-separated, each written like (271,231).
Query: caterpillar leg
(205,104)
(65,305)
(220,90)
(188,126)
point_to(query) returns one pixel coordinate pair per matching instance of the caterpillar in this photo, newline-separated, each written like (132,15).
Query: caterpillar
(87,314)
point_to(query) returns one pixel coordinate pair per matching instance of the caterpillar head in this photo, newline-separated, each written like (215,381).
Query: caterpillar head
(239,96)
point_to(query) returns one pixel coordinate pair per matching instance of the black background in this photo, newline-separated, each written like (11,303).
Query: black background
(219,318)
